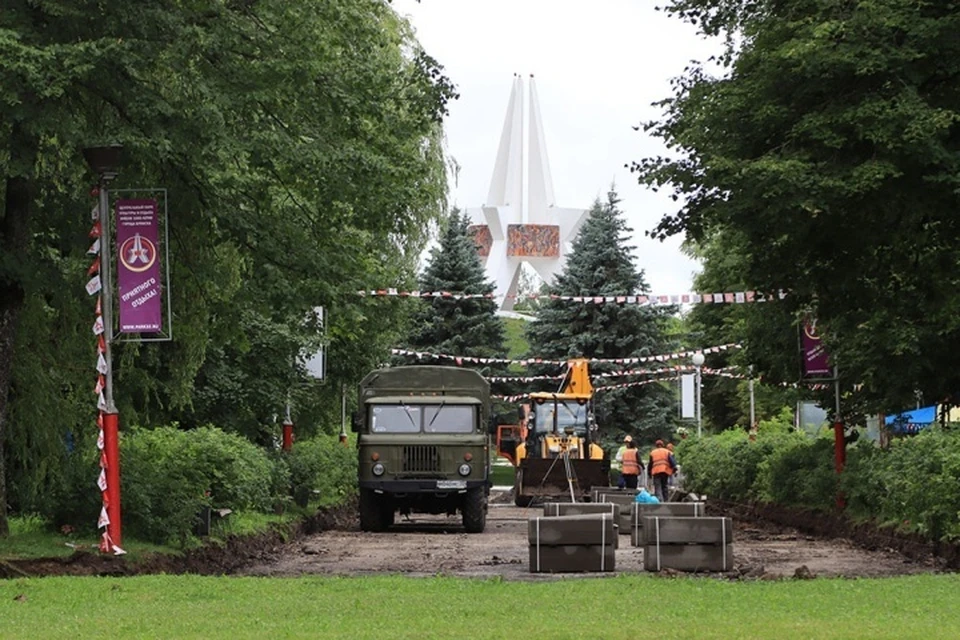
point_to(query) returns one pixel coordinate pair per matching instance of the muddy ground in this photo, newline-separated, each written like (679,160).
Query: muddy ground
(768,544)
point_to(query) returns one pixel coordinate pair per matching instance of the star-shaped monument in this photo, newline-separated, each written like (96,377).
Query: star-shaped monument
(509,233)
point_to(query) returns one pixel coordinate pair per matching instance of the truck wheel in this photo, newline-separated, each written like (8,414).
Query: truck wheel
(373,512)
(475,510)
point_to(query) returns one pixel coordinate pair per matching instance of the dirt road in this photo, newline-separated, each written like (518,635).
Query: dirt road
(430,545)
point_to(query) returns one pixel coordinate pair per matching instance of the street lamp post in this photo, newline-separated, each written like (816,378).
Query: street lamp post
(753,406)
(104,161)
(697,363)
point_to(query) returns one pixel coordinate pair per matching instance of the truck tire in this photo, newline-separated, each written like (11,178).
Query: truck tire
(475,510)
(373,512)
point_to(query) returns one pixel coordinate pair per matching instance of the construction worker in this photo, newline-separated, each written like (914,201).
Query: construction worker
(630,465)
(617,463)
(661,466)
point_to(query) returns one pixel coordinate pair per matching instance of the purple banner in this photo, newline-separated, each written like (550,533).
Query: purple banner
(816,363)
(138,267)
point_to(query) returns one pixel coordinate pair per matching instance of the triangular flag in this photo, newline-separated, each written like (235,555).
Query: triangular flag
(102,480)
(100,445)
(101,345)
(101,403)
(96,231)
(95,267)
(99,386)
(98,326)
(104,518)
(94,248)
(95,212)
(99,310)
(93,285)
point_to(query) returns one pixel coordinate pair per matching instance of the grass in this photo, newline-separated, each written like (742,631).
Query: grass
(442,607)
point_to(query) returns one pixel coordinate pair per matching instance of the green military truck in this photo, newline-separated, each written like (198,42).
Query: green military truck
(423,444)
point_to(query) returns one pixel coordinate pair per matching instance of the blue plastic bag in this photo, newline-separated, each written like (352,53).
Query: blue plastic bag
(644,497)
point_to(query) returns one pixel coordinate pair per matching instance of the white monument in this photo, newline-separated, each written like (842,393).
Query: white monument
(520,221)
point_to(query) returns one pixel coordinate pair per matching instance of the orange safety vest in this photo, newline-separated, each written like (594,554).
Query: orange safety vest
(631,462)
(661,461)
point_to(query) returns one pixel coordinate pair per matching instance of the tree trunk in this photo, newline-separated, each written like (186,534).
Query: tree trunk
(13,242)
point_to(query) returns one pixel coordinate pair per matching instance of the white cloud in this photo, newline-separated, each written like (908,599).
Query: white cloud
(598,67)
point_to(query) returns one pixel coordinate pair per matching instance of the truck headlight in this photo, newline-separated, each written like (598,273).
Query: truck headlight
(464,469)
(378,469)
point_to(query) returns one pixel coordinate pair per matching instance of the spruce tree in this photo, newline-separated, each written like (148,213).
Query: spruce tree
(602,263)
(463,327)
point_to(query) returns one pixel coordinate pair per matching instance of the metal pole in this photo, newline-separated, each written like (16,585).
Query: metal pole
(111,417)
(839,445)
(753,407)
(287,429)
(699,391)
(343,413)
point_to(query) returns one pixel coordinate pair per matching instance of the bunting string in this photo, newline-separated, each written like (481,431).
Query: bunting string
(93,287)
(728,297)
(460,360)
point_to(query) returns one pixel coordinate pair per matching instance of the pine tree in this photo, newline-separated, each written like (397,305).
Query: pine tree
(464,327)
(601,263)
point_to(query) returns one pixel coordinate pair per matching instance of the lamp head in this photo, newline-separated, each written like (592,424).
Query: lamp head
(104,161)
(698,359)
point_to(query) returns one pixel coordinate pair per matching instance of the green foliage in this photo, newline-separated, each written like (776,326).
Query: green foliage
(914,484)
(801,473)
(321,468)
(827,151)
(729,465)
(468,327)
(300,169)
(603,263)
(169,474)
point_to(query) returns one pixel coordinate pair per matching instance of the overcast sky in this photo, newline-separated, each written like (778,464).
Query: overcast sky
(598,66)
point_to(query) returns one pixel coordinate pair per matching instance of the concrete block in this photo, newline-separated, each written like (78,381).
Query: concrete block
(688,557)
(677,530)
(588,529)
(581,508)
(639,510)
(572,558)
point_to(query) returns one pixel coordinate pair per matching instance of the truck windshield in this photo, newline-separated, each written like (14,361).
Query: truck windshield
(569,414)
(422,418)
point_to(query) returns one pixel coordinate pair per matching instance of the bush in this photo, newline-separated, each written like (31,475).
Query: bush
(169,475)
(915,483)
(801,473)
(322,467)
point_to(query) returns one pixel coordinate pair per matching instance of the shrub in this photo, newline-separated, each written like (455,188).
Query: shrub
(169,475)
(322,466)
(801,473)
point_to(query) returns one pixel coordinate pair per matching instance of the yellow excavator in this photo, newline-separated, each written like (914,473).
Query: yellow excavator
(553,447)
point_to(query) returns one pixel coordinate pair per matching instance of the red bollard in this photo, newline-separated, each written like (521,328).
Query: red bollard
(287,434)
(111,449)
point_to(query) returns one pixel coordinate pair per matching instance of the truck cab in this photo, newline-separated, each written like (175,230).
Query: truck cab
(423,445)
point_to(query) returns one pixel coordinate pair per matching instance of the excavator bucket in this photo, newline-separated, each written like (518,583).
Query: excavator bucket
(544,479)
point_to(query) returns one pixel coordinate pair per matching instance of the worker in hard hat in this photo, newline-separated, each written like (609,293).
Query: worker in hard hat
(617,463)
(630,465)
(661,466)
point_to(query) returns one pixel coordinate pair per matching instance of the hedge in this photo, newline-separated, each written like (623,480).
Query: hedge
(914,485)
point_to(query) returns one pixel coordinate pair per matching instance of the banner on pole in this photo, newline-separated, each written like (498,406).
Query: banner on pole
(138,267)
(688,395)
(816,362)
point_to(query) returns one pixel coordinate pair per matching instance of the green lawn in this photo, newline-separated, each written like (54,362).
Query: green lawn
(385,608)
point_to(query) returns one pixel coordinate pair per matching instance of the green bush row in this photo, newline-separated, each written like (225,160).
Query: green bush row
(168,475)
(914,484)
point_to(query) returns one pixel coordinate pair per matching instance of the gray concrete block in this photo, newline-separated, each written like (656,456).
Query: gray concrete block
(688,557)
(580,508)
(572,558)
(678,530)
(588,529)
(639,510)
